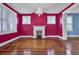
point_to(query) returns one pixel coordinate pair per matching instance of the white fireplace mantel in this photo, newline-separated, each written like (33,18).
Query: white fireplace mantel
(39,28)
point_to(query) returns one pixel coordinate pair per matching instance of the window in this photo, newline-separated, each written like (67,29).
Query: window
(0,25)
(4,14)
(51,19)
(8,21)
(69,23)
(0,18)
(26,20)
(13,22)
(0,12)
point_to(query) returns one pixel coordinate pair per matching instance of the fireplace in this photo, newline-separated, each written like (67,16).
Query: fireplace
(39,31)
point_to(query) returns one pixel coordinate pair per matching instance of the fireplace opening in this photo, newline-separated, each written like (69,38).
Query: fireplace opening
(39,34)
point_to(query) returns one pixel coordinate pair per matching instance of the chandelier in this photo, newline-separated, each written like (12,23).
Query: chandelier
(39,12)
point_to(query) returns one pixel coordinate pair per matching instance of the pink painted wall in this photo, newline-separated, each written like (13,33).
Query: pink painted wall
(53,29)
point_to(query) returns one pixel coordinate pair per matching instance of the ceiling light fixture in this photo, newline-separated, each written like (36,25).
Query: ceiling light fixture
(39,12)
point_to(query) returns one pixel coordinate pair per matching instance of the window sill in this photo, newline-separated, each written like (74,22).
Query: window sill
(4,33)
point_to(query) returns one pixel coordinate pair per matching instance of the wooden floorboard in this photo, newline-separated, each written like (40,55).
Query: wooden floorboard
(38,46)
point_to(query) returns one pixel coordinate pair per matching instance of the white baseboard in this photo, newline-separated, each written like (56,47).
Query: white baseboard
(45,36)
(55,36)
(73,36)
(27,36)
(6,42)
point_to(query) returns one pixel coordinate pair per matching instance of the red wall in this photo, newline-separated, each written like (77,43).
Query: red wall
(59,24)
(53,29)
(27,30)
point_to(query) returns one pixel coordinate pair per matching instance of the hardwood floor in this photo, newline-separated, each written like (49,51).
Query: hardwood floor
(30,46)
(74,45)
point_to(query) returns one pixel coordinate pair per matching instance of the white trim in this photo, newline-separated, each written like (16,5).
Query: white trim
(8,32)
(45,36)
(27,36)
(6,42)
(61,37)
(73,36)
(38,28)
(51,36)
(64,26)
(54,36)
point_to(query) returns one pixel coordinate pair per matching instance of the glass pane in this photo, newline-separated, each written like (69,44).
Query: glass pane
(11,26)
(15,19)
(13,22)
(4,23)
(0,12)
(0,25)
(4,14)
(69,19)
(69,27)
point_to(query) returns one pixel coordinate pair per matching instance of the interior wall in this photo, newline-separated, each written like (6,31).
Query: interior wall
(59,24)
(51,29)
(27,30)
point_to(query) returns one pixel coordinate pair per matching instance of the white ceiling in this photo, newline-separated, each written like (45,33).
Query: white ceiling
(28,8)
